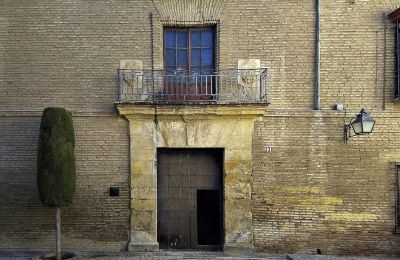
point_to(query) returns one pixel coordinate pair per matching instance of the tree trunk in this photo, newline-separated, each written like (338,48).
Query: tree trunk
(58,234)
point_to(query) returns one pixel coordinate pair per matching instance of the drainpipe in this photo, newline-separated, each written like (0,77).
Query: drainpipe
(317,101)
(384,63)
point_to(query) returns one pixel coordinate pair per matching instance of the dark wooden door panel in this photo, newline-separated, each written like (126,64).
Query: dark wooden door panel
(208,217)
(181,174)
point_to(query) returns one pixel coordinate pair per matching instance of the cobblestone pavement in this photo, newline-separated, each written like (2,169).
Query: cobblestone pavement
(191,255)
(169,255)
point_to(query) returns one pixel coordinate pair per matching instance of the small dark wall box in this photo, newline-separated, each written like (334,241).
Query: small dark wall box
(114,191)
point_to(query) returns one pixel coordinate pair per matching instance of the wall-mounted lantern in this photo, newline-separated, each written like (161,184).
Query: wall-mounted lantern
(361,124)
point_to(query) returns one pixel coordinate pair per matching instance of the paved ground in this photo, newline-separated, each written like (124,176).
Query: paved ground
(170,255)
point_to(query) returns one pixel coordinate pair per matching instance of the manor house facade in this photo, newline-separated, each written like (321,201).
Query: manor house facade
(206,124)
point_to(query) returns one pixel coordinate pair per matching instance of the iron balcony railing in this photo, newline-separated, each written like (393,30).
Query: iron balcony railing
(224,86)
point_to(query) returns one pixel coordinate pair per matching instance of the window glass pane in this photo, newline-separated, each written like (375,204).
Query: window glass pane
(182,39)
(196,70)
(195,38)
(182,57)
(170,39)
(170,70)
(195,57)
(181,70)
(206,56)
(206,39)
(170,57)
(207,70)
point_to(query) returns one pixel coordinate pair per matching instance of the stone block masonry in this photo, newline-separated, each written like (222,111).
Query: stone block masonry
(192,126)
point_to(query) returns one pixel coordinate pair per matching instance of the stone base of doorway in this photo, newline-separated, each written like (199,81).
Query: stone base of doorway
(143,247)
(238,248)
(228,248)
(142,241)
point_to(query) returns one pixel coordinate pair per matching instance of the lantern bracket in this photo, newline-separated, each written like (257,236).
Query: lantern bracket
(361,124)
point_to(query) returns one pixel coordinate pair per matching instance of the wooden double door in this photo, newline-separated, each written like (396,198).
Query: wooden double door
(190,198)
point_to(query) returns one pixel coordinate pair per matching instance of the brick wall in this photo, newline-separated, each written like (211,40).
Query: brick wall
(70,50)
(353,40)
(94,219)
(311,192)
(67,52)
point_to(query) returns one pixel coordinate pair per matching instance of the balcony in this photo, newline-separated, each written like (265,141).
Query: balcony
(222,87)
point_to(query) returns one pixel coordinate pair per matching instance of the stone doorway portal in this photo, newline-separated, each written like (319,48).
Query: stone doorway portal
(190,198)
(202,126)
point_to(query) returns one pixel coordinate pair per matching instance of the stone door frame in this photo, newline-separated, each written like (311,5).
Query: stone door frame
(191,126)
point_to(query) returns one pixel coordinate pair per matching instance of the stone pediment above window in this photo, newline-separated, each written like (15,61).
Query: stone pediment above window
(189,12)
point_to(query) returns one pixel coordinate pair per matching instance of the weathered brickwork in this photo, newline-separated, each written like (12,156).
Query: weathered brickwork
(311,191)
(353,40)
(95,220)
(67,52)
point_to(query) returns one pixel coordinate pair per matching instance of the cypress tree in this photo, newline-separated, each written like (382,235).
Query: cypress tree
(56,162)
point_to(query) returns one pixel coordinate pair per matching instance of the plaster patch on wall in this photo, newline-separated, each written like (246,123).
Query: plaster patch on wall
(303,189)
(242,237)
(386,156)
(352,217)
(249,64)
(131,64)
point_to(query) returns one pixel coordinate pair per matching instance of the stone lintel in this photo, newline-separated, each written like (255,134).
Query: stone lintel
(144,111)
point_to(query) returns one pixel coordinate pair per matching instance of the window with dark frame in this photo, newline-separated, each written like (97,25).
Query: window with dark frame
(189,63)
(189,50)
(395,18)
